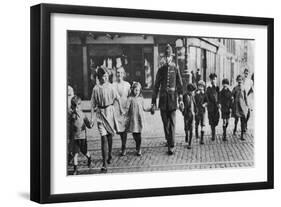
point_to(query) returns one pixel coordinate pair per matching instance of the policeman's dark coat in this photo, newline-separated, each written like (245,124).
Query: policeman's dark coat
(169,85)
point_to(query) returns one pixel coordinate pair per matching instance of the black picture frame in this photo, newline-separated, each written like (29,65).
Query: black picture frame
(41,96)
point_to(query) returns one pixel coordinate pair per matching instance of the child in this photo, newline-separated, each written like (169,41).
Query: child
(188,113)
(240,105)
(136,114)
(78,133)
(213,104)
(200,110)
(225,103)
(103,97)
(123,89)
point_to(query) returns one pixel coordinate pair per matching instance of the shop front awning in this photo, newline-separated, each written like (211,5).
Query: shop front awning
(105,50)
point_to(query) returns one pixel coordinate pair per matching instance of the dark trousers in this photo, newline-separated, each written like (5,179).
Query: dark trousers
(169,123)
(106,148)
(137,138)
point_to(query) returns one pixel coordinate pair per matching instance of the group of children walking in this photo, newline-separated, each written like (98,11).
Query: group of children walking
(230,103)
(119,108)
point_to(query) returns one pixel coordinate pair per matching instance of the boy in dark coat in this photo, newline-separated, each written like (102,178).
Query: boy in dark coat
(225,105)
(200,110)
(78,133)
(188,113)
(213,104)
(240,105)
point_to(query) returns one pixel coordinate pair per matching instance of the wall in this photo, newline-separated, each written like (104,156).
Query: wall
(14,85)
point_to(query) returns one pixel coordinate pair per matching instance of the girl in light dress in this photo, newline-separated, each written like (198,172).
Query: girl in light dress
(135,114)
(123,89)
(103,99)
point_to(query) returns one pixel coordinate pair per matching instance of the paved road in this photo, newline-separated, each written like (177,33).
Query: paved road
(217,154)
(214,154)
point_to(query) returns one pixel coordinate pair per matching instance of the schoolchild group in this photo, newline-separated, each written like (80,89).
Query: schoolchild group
(119,107)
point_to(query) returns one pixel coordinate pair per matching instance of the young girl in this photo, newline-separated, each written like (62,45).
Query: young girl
(103,97)
(240,105)
(78,133)
(123,90)
(136,114)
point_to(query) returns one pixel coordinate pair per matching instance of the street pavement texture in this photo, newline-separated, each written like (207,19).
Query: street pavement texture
(232,153)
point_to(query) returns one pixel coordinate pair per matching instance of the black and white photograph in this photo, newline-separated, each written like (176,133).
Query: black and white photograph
(154,102)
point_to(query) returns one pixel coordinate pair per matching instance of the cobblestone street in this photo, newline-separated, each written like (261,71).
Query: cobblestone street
(213,154)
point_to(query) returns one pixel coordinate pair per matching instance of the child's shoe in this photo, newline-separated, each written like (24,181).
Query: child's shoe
(75,172)
(89,161)
(139,153)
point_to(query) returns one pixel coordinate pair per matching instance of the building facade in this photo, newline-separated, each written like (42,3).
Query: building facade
(140,55)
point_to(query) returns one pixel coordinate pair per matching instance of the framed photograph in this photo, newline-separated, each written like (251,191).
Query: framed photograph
(133,103)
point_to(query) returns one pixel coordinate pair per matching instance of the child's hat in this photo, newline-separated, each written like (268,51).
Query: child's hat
(201,83)
(190,87)
(212,76)
(225,81)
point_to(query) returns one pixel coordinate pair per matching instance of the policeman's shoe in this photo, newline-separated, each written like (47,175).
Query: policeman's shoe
(189,147)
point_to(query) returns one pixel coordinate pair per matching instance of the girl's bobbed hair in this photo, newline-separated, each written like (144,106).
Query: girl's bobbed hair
(101,71)
(135,85)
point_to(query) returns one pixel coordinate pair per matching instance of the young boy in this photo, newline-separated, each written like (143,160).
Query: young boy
(240,105)
(188,113)
(78,133)
(213,104)
(225,103)
(200,110)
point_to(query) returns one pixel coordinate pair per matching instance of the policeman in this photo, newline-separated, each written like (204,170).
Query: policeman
(169,85)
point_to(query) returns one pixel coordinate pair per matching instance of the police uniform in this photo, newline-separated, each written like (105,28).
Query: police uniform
(168,84)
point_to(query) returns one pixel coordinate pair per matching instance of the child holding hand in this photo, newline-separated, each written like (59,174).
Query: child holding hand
(135,114)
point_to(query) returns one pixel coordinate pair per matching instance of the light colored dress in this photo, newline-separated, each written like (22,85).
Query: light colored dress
(123,90)
(103,98)
(136,108)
